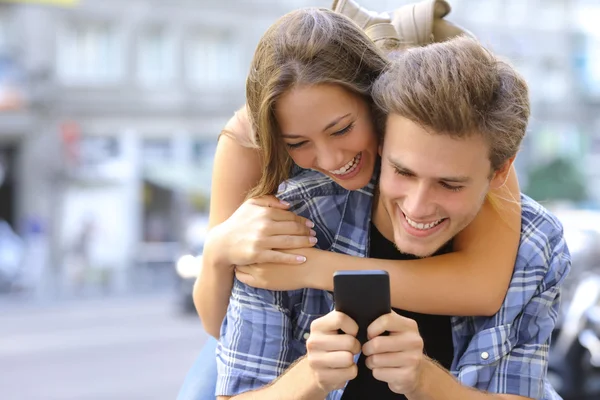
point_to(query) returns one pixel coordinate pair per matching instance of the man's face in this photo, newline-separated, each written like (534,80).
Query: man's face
(432,185)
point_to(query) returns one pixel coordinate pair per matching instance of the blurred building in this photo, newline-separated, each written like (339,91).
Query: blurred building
(109,114)
(110,109)
(554,44)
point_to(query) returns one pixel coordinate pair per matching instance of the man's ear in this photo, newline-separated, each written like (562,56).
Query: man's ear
(501,174)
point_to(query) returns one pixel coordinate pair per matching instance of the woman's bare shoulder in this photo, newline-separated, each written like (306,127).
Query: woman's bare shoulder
(239,128)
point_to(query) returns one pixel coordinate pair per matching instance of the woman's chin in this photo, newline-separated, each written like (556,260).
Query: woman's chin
(358,182)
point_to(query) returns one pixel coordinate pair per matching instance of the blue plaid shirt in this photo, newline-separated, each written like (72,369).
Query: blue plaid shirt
(265,331)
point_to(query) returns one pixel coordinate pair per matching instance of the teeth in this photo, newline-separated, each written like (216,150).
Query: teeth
(422,227)
(349,167)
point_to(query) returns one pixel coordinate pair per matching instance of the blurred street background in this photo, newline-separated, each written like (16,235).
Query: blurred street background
(109,116)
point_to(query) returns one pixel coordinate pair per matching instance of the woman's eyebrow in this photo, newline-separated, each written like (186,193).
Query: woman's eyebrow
(329,125)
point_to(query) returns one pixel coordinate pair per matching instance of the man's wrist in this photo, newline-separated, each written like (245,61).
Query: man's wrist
(315,389)
(301,374)
(429,373)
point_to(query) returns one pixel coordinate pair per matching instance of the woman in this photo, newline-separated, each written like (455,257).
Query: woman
(331,58)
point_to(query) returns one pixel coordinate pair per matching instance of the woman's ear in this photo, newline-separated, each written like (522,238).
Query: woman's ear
(501,174)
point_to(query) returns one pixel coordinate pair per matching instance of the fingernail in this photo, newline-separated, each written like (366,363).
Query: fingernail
(310,224)
(301,259)
(313,240)
(313,233)
(285,203)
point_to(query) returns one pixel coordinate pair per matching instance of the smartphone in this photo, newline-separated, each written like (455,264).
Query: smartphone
(362,295)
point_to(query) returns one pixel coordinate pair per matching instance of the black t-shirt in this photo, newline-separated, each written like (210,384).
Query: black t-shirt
(436,331)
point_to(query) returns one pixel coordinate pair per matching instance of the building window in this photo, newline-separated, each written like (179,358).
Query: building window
(203,151)
(89,54)
(4,30)
(213,61)
(156,57)
(156,150)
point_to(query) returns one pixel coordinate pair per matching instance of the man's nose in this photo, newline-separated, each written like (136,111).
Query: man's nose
(418,203)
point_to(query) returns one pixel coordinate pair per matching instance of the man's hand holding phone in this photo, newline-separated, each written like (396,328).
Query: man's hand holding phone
(398,357)
(331,354)
(391,343)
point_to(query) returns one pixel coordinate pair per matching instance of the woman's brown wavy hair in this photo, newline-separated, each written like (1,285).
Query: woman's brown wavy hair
(305,47)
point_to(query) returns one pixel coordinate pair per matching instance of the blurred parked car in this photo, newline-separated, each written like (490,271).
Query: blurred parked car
(12,251)
(574,368)
(188,268)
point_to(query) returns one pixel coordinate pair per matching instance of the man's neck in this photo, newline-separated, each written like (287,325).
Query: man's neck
(381,218)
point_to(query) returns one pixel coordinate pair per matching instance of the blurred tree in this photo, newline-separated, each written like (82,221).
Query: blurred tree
(557,180)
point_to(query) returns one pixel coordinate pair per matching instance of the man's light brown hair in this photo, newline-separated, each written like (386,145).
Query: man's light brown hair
(458,88)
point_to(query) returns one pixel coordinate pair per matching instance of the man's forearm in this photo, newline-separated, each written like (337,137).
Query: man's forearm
(439,384)
(297,383)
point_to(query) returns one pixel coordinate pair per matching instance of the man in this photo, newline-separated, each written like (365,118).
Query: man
(456,116)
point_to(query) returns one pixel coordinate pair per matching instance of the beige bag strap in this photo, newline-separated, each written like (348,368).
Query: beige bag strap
(363,17)
(415,24)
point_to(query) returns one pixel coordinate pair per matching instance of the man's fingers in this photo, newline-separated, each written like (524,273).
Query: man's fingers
(393,375)
(333,342)
(391,322)
(333,322)
(332,359)
(407,342)
(386,360)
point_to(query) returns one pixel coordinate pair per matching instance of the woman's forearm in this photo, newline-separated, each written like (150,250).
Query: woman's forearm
(428,286)
(212,289)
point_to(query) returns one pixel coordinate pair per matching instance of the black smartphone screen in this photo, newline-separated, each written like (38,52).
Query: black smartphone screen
(362,295)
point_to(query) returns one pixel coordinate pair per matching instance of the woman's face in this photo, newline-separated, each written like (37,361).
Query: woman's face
(329,129)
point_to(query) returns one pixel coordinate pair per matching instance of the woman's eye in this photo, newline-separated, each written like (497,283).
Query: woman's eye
(295,145)
(343,131)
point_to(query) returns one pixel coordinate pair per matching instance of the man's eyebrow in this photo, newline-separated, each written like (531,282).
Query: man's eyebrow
(452,179)
(456,179)
(329,125)
(399,166)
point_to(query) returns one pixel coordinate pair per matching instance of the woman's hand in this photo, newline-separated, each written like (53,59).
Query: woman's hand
(273,276)
(260,228)
(276,276)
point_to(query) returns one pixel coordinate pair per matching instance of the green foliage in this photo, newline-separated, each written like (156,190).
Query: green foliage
(557,180)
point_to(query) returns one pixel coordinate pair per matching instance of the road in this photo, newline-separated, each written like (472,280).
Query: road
(112,349)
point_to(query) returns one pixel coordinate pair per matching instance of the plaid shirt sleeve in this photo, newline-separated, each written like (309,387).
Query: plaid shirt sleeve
(511,357)
(255,345)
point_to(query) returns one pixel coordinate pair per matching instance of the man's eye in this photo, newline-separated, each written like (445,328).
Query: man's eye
(451,187)
(402,172)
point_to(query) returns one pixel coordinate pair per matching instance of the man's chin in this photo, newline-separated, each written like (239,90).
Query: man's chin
(418,250)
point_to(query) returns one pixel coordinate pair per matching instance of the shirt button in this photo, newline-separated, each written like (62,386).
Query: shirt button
(485,355)
(306,336)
